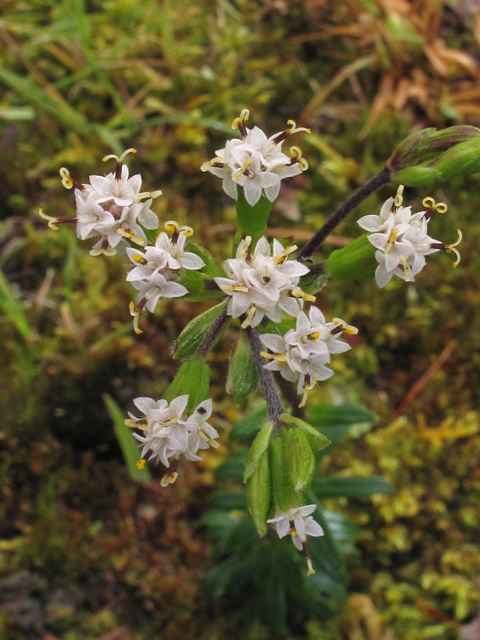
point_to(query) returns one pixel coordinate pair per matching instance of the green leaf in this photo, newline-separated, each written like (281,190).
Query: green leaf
(197,284)
(259,494)
(250,424)
(193,378)
(228,500)
(233,468)
(351,487)
(127,442)
(211,268)
(259,446)
(242,376)
(252,221)
(322,415)
(193,334)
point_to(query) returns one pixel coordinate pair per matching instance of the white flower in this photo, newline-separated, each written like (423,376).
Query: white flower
(261,284)
(256,162)
(298,522)
(402,239)
(92,219)
(156,287)
(167,433)
(301,355)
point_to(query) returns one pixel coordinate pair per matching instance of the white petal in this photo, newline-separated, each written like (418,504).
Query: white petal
(253,192)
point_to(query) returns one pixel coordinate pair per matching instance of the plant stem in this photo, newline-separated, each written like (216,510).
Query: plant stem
(212,333)
(274,404)
(373,185)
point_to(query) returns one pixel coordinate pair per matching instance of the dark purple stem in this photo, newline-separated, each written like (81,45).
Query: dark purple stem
(373,185)
(212,334)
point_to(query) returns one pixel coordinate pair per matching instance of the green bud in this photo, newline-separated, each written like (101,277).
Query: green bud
(193,378)
(416,176)
(242,376)
(259,446)
(259,493)
(315,439)
(283,491)
(252,221)
(300,458)
(356,261)
(193,334)
(200,286)
(462,159)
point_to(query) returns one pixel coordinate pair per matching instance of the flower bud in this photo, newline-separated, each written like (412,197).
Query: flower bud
(283,491)
(242,376)
(259,493)
(195,331)
(192,378)
(300,459)
(316,439)
(429,154)
(356,261)
(259,446)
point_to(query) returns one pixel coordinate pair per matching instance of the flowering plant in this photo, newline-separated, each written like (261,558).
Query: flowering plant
(271,291)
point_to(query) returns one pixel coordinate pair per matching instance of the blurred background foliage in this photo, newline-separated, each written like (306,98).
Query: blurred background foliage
(85,552)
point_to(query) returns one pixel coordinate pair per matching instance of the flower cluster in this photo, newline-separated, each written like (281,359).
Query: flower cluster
(155,269)
(256,162)
(298,522)
(261,284)
(167,433)
(110,208)
(302,353)
(401,239)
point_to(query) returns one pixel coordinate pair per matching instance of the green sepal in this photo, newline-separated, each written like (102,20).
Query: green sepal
(300,458)
(259,446)
(197,284)
(315,439)
(242,376)
(283,492)
(211,268)
(356,261)
(416,176)
(252,221)
(193,334)
(192,378)
(259,494)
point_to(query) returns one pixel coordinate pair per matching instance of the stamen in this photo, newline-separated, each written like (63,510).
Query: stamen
(399,197)
(294,129)
(245,251)
(66,178)
(134,424)
(119,159)
(217,161)
(391,241)
(304,399)
(139,259)
(135,313)
(239,123)
(298,293)
(406,269)
(430,203)
(314,336)
(282,256)
(347,328)
(141,464)
(236,175)
(293,531)
(311,570)
(131,236)
(238,288)
(169,478)
(146,195)
(52,221)
(451,248)
(250,313)
(208,440)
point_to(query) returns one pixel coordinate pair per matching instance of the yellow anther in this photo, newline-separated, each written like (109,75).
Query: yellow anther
(170,421)
(314,335)
(172,226)
(399,197)
(248,320)
(211,163)
(294,129)
(187,231)
(244,116)
(130,423)
(303,164)
(106,252)
(391,241)
(430,203)
(293,532)
(308,298)
(282,256)
(141,464)
(169,478)
(52,221)
(135,315)
(346,328)
(311,570)
(451,248)
(149,194)
(296,152)
(66,178)
(236,175)
(406,270)
(304,399)
(119,159)
(243,253)
(139,259)
(298,293)
(267,356)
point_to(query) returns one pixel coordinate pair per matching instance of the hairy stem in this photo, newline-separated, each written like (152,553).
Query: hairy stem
(373,185)
(274,404)
(212,334)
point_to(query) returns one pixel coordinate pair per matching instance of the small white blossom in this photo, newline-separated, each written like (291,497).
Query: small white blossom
(256,162)
(298,522)
(168,433)
(156,287)
(261,284)
(401,239)
(301,355)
